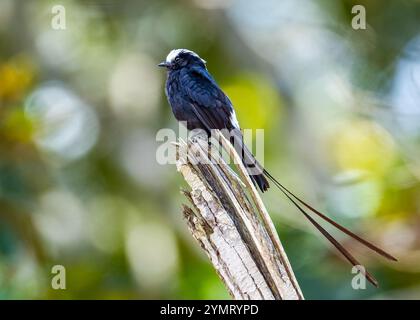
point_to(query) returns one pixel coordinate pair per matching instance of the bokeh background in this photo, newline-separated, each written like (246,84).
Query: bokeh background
(80,109)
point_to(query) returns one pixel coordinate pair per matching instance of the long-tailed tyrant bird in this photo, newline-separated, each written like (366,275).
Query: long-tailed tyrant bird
(196,99)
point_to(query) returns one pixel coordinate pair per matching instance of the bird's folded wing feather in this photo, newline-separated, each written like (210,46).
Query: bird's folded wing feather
(214,110)
(207,99)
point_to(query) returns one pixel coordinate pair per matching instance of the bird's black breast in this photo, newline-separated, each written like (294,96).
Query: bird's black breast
(180,102)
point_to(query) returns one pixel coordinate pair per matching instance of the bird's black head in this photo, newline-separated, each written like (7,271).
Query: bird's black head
(180,58)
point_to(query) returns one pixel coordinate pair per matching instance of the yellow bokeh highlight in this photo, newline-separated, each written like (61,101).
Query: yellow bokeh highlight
(16,77)
(255,99)
(363,145)
(16,126)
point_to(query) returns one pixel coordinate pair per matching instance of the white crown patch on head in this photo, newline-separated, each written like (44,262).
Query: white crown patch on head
(174,53)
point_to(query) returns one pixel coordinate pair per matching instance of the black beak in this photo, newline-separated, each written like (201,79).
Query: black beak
(163,64)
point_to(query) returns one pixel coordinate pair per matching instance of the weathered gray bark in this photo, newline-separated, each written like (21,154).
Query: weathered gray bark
(236,233)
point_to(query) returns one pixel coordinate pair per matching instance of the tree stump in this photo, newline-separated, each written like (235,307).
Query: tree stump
(233,229)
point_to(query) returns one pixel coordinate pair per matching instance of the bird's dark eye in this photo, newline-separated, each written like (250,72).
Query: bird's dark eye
(177,59)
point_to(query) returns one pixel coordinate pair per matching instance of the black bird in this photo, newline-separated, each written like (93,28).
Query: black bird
(196,99)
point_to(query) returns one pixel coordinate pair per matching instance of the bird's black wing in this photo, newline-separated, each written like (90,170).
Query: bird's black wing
(215,111)
(209,103)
